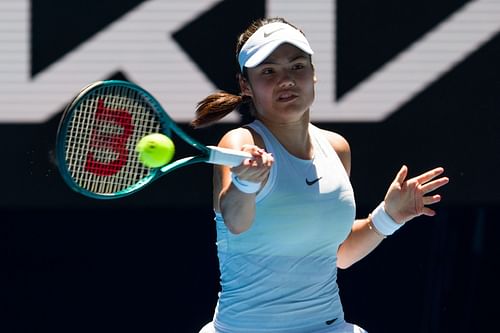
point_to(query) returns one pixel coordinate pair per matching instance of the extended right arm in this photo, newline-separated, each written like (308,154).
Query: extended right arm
(236,206)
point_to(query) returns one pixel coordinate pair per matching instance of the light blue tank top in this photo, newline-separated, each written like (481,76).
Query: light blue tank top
(280,275)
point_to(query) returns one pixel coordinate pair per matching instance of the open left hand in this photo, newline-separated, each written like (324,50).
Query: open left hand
(407,199)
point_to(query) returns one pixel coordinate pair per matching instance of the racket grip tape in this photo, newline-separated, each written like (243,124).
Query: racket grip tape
(225,156)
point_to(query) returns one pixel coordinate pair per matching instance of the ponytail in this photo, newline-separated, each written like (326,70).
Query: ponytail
(216,106)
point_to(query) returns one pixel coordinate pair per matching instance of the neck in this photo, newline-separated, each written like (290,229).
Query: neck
(294,136)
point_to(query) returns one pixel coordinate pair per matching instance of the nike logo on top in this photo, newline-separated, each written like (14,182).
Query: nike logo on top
(311,182)
(331,321)
(267,34)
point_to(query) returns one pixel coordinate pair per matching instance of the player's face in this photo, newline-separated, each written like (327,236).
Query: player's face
(282,86)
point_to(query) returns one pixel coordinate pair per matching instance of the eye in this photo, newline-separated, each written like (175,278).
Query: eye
(298,65)
(267,71)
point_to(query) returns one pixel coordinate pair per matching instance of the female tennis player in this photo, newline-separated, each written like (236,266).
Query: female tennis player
(285,219)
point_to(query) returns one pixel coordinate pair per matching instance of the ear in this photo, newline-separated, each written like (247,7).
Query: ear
(245,88)
(315,79)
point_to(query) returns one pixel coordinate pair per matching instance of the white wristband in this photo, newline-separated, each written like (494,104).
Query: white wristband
(383,222)
(245,186)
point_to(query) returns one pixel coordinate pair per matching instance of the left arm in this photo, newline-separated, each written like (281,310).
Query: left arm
(404,200)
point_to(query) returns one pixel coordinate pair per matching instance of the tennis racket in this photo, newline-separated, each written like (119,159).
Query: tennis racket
(98,133)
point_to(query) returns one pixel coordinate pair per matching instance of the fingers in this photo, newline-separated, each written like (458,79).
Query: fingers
(431,174)
(401,176)
(431,199)
(428,211)
(429,187)
(408,198)
(426,186)
(256,168)
(434,185)
(262,158)
(426,182)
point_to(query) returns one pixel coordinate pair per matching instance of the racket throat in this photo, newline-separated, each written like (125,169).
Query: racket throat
(225,156)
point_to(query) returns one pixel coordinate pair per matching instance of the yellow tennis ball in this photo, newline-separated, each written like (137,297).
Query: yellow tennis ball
(155,150)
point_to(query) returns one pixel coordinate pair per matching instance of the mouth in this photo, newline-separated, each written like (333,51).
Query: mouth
(286,96)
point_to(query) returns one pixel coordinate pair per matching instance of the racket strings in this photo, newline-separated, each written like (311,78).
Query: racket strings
(145,123)
(101,139)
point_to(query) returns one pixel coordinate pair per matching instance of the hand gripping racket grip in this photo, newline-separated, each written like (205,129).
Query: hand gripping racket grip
(225,156)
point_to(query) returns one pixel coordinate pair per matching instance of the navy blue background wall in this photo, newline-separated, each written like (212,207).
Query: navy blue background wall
(148,262)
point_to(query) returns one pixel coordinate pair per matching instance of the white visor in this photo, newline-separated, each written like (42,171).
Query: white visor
(266,39)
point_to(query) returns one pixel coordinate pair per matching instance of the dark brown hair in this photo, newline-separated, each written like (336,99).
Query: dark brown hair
(218,105)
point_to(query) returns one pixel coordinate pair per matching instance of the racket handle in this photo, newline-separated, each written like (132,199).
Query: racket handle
(225,156)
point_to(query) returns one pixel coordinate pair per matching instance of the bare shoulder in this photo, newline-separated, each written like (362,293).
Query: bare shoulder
(338,142)
(341,147)
(236,138)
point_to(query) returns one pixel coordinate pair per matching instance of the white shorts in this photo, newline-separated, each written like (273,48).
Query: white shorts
(345,328)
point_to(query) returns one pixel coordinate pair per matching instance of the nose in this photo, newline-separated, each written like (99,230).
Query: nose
(287,81)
